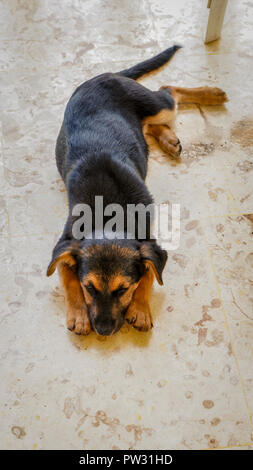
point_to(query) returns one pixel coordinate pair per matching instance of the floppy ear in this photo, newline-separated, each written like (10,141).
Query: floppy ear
(152,255)
(65,252)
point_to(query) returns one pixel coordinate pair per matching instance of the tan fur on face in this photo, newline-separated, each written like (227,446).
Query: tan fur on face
(87,296)
(95,280)
(115,282)
(125,300)
(118,281)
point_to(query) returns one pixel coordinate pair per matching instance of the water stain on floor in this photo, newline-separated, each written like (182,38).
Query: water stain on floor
(18,432)
(242,132)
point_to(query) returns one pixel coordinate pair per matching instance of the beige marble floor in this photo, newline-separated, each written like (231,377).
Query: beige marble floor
(189,383)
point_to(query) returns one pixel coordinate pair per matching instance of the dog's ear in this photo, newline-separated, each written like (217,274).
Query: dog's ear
(155,257)
(65,252)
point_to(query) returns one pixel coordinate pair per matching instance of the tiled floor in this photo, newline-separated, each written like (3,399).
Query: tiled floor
(189,383)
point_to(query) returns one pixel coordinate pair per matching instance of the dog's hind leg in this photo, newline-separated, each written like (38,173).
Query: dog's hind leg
(206,96)
(159,126)
(166,138)
(157,111)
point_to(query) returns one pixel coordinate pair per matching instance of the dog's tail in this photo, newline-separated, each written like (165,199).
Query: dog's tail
(151,64)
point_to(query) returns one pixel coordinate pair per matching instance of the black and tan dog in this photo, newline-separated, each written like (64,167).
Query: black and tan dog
(101,150)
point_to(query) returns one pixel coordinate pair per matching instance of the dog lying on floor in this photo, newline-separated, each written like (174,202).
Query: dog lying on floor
(101,150)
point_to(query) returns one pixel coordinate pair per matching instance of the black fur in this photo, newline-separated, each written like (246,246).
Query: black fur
(101,149)
(151,64)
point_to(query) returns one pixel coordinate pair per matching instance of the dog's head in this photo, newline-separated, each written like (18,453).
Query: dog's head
(109,273)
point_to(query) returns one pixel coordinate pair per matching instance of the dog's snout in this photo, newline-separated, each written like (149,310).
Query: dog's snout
(104,329)
(104,325)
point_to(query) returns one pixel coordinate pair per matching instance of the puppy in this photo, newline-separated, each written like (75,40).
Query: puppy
(101,150)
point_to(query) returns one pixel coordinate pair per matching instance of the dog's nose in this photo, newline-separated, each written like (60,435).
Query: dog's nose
(104,329)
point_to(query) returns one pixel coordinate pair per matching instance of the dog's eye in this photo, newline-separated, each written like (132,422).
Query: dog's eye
(91,289)
(119,292)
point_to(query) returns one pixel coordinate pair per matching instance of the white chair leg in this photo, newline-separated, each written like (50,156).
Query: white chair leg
(215,19)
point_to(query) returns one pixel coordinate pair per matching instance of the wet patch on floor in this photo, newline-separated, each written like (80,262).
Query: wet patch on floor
(242,132)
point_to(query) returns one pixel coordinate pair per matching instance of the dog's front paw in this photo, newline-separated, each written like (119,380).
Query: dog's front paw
(139,316)
(78,321)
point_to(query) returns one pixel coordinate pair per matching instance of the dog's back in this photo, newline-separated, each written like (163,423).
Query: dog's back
(103,116)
